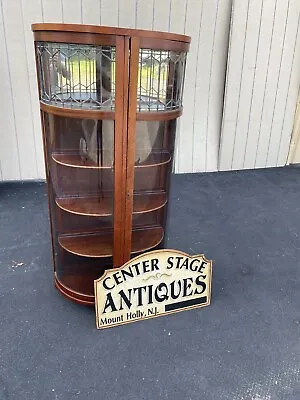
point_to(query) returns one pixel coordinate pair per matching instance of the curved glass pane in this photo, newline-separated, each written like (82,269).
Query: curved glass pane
(76,75)
(80,158)
(154,153)
(160,80)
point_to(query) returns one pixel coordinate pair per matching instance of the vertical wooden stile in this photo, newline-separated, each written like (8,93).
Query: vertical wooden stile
(131,132)
(120,144)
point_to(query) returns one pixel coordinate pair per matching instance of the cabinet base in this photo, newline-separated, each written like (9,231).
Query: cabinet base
(73,295)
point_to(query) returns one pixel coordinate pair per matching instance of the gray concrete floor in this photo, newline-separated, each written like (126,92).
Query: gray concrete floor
(245,346)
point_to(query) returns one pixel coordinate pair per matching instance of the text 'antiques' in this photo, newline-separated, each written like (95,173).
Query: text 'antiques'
(151,285)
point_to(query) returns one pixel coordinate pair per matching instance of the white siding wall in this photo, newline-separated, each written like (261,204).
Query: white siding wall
(21,155)
(208,22)
(262,84)
(263,75)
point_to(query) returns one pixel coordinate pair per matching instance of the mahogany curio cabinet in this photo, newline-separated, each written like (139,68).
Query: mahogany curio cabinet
(109,100)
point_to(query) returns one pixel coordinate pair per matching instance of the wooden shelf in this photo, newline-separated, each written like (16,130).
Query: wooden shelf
(78,287)
(88,245)
(96,206)
(143,203)
(76,161)
(144,239)
(93,206)
(101,244)
(155,159)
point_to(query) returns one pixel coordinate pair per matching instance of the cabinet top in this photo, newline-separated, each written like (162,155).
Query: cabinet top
(107,30)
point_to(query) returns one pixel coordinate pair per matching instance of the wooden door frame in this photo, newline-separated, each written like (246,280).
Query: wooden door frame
(120,147)
(127,60)
(131,132)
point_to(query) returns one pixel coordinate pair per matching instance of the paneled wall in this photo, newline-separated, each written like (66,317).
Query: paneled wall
(262,84)
(250,127)
(207,21)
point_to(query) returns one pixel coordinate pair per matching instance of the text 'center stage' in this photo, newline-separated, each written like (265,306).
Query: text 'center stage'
(151,285)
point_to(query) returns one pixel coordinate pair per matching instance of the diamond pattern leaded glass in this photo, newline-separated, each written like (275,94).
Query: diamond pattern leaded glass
(76,76)
(160,80)
(83,76)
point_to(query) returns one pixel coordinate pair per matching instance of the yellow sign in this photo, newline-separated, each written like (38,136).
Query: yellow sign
(153,284)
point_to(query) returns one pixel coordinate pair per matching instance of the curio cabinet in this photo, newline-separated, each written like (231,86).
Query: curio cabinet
(109,100)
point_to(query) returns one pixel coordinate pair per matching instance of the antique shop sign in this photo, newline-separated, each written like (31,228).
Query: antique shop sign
(153,284)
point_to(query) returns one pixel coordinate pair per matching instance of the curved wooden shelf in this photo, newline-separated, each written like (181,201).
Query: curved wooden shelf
(79,288)
(144,239)
(76,161)
(143,203)
(155,159)
(98,245)
(159,115)
(92,206)
(96,206)
(88,245)
(80,113)
(102,114)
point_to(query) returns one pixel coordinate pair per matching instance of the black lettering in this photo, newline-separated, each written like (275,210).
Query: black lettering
(202,266)
(185,264)
(105,284)
(172,286)
(117,277)
(150,294)
(162,296)
(126,274)
(201,284)
(192,268)
(154,265)
(109,303)
(136,266)
(139,292)
(187,286)
(145,266)
(125,299)
(170,263)
(178,261)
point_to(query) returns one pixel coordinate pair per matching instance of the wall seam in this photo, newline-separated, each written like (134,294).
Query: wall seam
(278,80)
(253,83)
(265,87)
(100,5)
(196,74)
(209,85)
(42,9)
(62,11)
(226,80)
(11,90)
(289,87)
(185,15)
(153,13)
(240,85)
(170,11)
(29,87)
